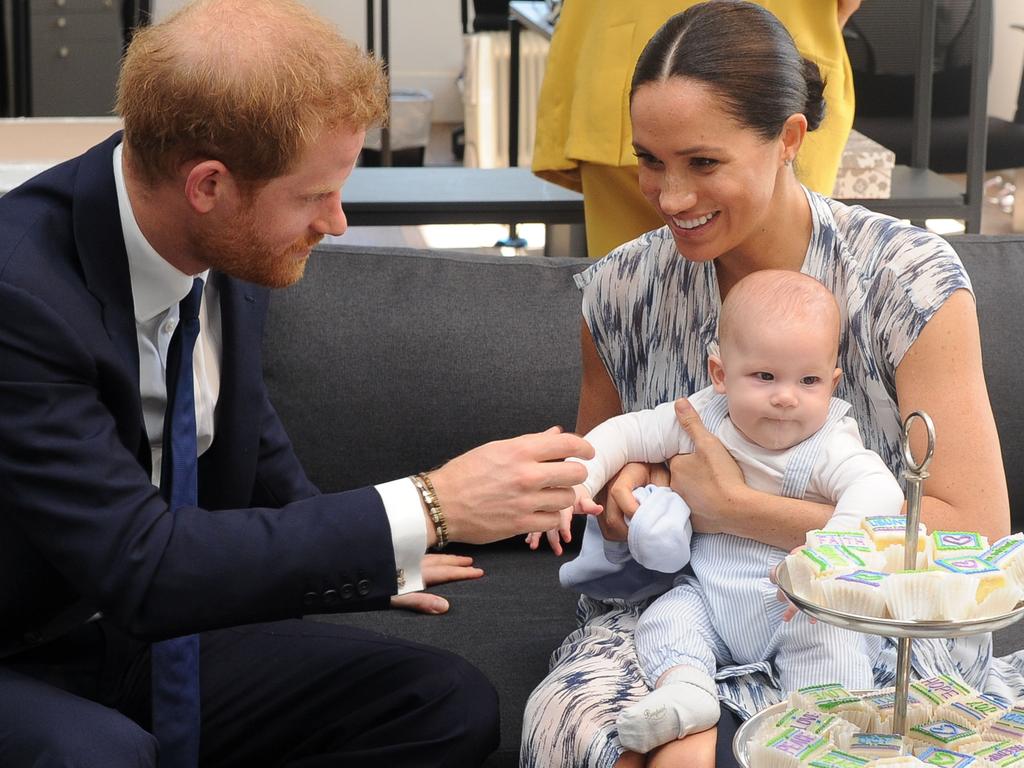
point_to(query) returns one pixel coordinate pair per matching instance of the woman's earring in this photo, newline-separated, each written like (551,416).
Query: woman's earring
(788,162)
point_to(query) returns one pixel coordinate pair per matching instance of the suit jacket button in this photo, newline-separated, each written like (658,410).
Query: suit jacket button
(32,637)
(363,587)
(347,590)
(331,597)
(310,599)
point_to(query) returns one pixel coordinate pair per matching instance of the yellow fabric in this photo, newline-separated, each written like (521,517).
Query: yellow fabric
(583,110)
(615,210)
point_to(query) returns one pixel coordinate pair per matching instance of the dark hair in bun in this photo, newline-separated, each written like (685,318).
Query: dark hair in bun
(745,55)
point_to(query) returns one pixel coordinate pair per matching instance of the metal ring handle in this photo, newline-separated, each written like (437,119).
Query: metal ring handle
(912,465)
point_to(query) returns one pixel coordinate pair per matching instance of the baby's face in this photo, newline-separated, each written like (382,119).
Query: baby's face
(778,381)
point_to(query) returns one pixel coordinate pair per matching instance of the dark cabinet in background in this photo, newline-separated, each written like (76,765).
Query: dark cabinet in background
(65,55)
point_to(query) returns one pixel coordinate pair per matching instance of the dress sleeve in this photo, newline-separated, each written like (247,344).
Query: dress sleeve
(917,272)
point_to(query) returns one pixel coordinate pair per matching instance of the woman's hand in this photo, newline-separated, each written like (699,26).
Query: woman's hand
(708,479)
(437,569)
(620,504)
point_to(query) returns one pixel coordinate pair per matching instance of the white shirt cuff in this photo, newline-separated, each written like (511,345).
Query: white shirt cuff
(408,531)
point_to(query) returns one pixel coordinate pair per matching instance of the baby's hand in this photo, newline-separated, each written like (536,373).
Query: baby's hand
(583,505)
(791,610)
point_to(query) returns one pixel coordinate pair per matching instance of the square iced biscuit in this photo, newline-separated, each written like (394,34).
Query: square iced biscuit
(1002,753)
(942,733)
(977,712)
(808,565)
(837,758)
(874,746)
(859,592)
(889,534)
(996,593)
(947,757)
(1007,554)
(788,748)
(818,723)
(888,530)
(856,541)
(1009,725)
(933,595)
(834,699)
(941,690)
(952,544)
(884,703)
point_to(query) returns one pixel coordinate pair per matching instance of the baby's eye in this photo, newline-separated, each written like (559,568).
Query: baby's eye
(764,376)
(810,381)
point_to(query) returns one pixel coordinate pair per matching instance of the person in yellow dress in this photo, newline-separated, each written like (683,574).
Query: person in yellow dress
(583,139)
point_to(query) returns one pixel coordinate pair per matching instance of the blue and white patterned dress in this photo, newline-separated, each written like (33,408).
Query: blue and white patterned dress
(652,315)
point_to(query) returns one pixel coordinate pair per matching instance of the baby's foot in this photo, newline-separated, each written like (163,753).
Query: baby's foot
(684,703)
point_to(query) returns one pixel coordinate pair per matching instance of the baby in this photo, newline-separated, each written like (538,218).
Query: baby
(771,405)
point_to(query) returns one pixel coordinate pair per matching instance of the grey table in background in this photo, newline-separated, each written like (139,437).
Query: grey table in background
(382,197)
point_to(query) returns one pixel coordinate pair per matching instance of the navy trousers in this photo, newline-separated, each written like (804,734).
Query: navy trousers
(290,693)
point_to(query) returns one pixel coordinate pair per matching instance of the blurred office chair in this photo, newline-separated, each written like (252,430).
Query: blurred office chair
(880,39)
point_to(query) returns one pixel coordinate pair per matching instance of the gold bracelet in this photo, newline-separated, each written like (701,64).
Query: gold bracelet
(429,496)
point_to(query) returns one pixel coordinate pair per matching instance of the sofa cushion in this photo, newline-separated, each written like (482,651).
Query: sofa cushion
(408,358)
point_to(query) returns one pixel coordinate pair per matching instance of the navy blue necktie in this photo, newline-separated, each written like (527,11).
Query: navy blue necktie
(175,663)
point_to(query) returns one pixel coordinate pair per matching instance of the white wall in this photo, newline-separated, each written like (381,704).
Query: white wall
(1007,58)
(425,49)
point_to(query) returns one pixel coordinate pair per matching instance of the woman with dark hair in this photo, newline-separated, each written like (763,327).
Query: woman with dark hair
(583,139)
(720,103)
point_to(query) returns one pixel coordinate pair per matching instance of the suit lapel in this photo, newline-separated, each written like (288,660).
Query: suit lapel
(100,242)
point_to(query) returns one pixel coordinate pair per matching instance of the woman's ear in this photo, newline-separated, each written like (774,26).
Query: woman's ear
(792,136)
(717,372)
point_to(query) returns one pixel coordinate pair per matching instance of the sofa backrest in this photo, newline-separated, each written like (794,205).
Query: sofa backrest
(385,361)
(421,355)
(996,267)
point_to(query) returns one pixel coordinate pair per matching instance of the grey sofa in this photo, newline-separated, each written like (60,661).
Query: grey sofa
(383,362)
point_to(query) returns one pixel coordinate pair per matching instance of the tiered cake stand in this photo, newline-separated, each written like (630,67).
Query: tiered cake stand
(904,631)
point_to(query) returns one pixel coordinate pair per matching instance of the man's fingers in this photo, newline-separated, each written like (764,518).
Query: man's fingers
(420,602)
(556,445)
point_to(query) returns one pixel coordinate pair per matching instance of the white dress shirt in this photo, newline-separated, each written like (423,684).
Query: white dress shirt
(157,288)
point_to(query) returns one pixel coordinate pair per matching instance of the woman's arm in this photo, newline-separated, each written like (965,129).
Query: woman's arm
(599,400)
(942,375)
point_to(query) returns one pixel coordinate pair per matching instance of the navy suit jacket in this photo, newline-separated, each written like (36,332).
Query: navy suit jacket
(82,528)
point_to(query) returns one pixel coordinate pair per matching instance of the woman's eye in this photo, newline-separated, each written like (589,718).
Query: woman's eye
(704,163)
(810,381)
(646,158)
(764,376)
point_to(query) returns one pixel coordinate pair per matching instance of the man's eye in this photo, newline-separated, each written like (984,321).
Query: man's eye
(764,376)
(810,381)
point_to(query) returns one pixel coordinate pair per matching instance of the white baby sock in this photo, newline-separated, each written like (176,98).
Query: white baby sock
(685,702)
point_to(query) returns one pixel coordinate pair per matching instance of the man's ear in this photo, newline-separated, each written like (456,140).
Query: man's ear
(837,374)
(717,372)
(208,184)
